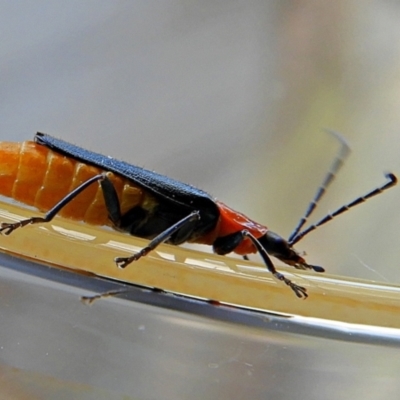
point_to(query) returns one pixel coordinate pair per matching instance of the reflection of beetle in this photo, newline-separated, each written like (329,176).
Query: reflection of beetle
(144,203)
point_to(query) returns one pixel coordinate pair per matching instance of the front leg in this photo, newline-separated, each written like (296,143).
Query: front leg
(227,244)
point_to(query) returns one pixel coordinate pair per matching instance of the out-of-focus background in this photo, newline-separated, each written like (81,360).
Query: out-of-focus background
(229,96)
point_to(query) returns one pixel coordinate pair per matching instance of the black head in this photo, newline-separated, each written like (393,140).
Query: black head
(278,247)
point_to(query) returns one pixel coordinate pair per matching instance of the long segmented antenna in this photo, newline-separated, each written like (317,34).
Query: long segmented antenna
(330,176)
(392,181)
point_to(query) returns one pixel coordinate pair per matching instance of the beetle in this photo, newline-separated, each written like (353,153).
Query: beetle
(60,178)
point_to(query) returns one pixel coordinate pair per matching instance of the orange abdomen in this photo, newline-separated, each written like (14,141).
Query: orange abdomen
(39,177)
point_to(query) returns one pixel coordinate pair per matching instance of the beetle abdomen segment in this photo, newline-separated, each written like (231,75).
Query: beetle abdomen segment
(37,176)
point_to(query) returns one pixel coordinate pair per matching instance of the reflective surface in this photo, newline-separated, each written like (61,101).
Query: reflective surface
(157,345)
(176,269)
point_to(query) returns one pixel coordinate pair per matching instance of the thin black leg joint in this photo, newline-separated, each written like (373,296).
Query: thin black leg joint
(7,228)
(122,262)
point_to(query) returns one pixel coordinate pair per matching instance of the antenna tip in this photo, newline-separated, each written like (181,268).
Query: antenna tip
(339,137)
(392,177)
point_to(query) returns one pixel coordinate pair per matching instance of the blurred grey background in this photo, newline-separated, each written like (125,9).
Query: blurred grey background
(229,96)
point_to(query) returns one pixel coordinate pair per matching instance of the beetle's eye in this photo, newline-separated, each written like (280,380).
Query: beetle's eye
(276,245)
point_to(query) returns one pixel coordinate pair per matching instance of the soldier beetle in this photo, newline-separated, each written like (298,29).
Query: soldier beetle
(60,178)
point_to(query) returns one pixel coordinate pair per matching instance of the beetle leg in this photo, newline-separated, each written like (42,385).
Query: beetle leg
(111,200)
(300,291)
(228,243)
(122,262)
(7,228)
